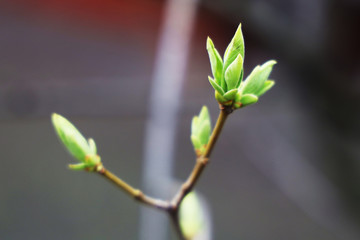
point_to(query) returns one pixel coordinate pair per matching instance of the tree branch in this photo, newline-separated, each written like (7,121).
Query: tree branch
(172,208)
(135,193)
(199,167)
(201,160)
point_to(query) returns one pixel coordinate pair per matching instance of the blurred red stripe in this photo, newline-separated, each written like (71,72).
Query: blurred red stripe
(129,14)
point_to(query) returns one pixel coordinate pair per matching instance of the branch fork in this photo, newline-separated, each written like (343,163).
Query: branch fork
(172,206)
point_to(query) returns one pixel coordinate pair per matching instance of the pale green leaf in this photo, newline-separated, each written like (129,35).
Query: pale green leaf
(204,115)
(248,99)
(237,97)
(204,132)
(266,87)
(72,139)
(235,48)
(255,81)
(77,167)
(196,142)
(192,216)
(201,128)
(230,95)
(92,146)
(215,60)
(233,72)
(216,86)
(194,125)
(220,98)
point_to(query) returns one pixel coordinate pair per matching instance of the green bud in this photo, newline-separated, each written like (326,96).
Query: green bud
(228,75)
(237,97)
(81,149)
(196,142)
(230,95)
(215,61)
(220,98)
(78,167)
(255,82)
(204,132)
(75,143)
(216,86)
(237,103)
(92,145)
(191,216)
(204,115)
(201,130)
(230,89)
(241,78)
(248,99)
(233,72)
(235,48)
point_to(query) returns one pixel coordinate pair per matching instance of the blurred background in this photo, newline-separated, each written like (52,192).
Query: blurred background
(132,73)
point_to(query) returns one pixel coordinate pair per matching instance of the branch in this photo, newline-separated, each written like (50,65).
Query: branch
(135,193)
(174,216)
(201,160)
(172,208)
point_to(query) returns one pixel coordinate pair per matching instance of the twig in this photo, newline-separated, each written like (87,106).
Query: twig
(174,216)
(135,193)
(200,165)
(201,161)
(172,208)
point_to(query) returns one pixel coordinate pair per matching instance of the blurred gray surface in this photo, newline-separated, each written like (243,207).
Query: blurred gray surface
(100,81)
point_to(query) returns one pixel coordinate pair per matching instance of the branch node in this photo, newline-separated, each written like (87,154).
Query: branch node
(227,109)
(173,207)
(203,160)
(100,168)
(138,194)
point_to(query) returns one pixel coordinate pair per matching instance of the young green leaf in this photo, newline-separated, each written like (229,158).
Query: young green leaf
(194,125)
(84,151)
(216,86)
(232,73)
(78,167)
(92,145)
(200,130)
(192,216)
(230,95)
(196,142)
(204,115)
(241,77)
(220,98)
(255,81)
(266,87)
(237,104)
(204,132)
(215,60)
(72,139)
(248,99)
(235,48)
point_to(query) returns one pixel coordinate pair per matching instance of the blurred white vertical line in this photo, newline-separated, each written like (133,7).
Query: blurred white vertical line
(165,99)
